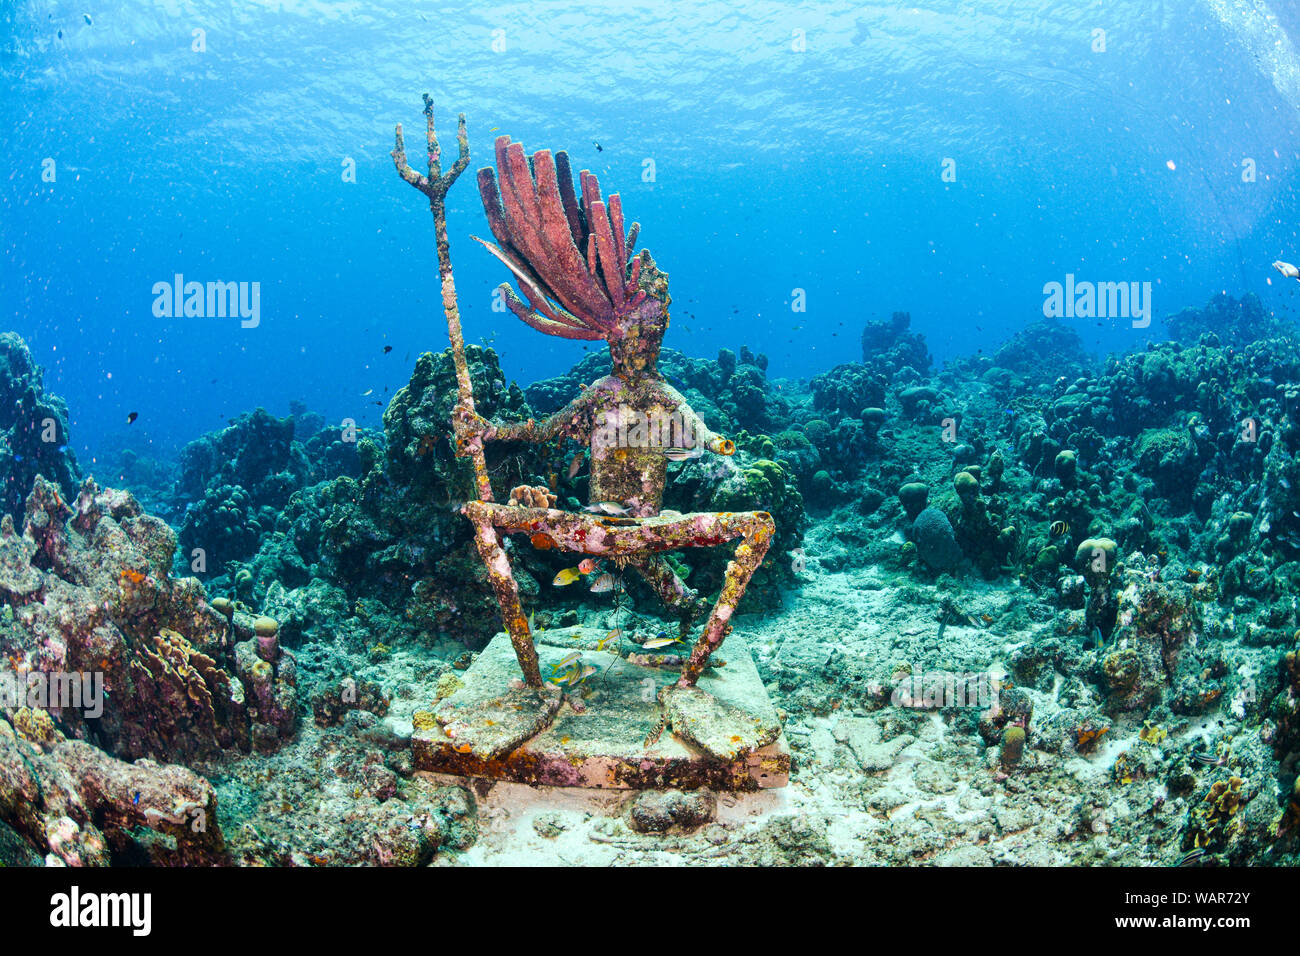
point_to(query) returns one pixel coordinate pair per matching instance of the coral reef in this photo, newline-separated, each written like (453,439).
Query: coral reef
(88,591)
(1114,545)
(77,806)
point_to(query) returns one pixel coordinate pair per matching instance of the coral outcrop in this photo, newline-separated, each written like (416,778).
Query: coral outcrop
(33,429)
(89,592)
(77,806)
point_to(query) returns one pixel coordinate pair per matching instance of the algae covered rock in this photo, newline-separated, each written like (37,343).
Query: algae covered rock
(1045,350)
(656,811)
(890,344)
(848,389)
(748,485)
(417,422)
(1153,647)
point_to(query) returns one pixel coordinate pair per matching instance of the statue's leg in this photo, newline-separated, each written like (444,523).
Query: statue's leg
(507,592)
(757,528)
(588,535)
(670,588)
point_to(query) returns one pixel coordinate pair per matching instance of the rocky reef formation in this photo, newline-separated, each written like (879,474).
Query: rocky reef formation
(66,803)
(386,549)
(88,591)
(33,429)
(234,483)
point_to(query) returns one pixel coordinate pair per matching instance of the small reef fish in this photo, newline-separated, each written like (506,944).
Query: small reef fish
(657,642)
(603,583)
(1152,733)
(574,671)
(565,577)
(1192,857)
(1059,529)
(587,565)
(132,417)
(567,661)
(616,508)
(655,732)
(614,635)
(677,453)
(1209,760)
(576,465)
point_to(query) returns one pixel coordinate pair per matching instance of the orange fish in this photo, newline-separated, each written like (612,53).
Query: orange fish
(587,565)
(542,541)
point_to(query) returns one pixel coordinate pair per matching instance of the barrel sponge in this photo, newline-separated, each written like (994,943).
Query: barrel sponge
(913,497)
(966,485)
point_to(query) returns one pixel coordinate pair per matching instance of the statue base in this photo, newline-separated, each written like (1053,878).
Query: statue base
(728,735)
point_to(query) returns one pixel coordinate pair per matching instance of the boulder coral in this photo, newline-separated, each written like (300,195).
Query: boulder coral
(936,544)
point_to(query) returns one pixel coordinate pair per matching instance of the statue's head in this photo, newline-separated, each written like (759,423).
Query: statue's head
(572,259)
(635,340)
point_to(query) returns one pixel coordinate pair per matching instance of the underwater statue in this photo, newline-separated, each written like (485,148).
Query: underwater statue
(575,265)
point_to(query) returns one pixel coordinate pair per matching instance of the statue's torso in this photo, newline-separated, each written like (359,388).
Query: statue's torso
(631,423)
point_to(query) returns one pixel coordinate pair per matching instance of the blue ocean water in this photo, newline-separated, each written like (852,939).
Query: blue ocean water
(944,158)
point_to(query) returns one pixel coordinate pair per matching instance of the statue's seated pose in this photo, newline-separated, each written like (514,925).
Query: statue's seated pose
(574,265)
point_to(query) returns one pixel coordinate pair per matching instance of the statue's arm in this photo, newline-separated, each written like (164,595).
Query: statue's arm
(695,425)
(574,421)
